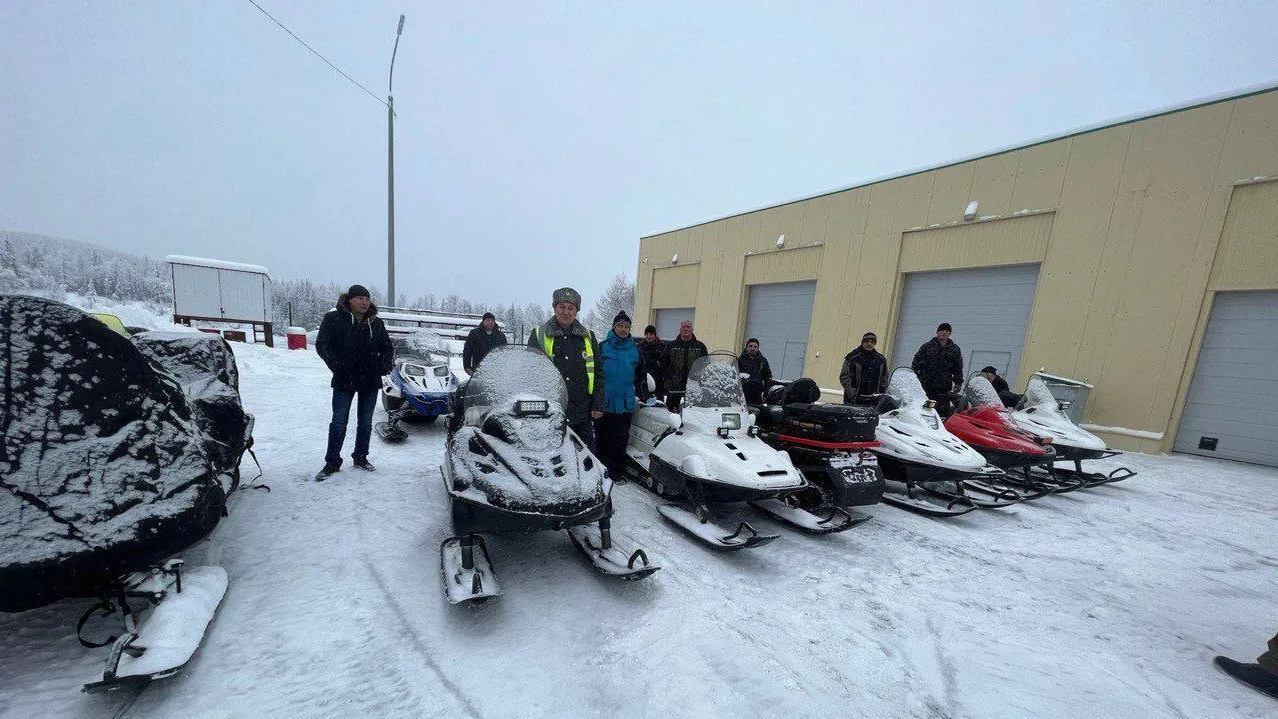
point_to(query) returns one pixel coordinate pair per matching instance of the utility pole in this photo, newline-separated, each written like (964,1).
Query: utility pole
(390,171)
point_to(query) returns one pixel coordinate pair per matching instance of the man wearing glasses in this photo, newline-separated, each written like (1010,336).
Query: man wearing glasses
(864,370)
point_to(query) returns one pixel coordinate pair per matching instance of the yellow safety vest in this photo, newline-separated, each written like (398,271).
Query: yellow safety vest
(548,344)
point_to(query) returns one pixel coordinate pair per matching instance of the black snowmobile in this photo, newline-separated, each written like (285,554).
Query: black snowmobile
(513,465)
(829,443)
(105,477)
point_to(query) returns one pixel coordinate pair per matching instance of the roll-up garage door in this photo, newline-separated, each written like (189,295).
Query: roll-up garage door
(668,321)
(779,316)
(989,308)
(1232,407)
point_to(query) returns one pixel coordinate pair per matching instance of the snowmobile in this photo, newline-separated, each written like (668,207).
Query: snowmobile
(712,455)
(143,487)
(917,453)
(981,420)
(421,384)
(829,443)
(513,465)
(1042,415)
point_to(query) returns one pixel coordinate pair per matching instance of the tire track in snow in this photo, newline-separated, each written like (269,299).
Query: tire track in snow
(409,630)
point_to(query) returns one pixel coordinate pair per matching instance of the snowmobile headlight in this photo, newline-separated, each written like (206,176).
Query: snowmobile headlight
(730,420)
(413,370)
(723,432)
(441,371)
(525,407)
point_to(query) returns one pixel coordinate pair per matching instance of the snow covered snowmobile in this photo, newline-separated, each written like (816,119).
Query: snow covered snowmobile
(1041,415)
(985,424)
(106,477)
(421,384)
(712,455)
(933,466)
(512,465)
(829,443)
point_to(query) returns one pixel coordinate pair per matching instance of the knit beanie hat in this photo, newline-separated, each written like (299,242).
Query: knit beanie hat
(357,291)
(621,317)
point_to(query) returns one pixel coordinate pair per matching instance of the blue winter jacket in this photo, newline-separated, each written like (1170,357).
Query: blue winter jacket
(620,358)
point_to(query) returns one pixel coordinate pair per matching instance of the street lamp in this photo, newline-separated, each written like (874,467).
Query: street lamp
(390,171)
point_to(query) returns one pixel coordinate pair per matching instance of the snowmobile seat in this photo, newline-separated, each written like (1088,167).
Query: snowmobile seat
(802,391)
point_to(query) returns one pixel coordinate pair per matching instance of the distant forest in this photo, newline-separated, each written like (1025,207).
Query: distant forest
(53,267)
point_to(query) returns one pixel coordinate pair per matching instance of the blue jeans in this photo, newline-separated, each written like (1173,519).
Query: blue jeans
(363,424)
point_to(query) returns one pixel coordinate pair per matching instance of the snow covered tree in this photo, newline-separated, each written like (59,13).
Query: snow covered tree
(619,295)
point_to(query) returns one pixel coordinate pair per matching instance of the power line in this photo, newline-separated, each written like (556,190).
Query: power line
(316,53)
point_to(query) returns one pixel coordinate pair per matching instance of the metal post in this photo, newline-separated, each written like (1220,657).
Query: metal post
(390,171)
(390,200)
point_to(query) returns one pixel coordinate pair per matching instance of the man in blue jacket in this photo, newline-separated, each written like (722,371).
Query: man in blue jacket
(623,373)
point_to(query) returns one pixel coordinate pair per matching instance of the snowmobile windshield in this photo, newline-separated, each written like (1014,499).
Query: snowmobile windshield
(979,391)
(422,347)
(514,373)
(714,381)
(905,386)
(1038,395)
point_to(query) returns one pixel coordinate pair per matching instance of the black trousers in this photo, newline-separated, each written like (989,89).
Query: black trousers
(585,429)
(613,431)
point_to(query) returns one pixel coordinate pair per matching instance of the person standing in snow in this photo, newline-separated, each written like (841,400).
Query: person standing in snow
(480,341)
(1005,393)
(677,359)
(753,363)
(353,342)
(864,370)
(624,374)
(575,352)
(939,365)
(651,349)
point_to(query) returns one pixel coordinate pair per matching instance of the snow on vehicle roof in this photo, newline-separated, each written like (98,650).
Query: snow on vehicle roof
(218,264)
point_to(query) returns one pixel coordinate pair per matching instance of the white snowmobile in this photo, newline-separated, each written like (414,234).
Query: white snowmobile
(712,456)
(926,466)
(1042,415)
(513,465)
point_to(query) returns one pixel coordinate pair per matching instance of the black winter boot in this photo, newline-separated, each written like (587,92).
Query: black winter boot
(1253,675)
(365,465)
(328,471)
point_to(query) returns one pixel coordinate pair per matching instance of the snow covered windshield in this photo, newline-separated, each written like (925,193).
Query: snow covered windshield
(422,346)
(906,387)
(714,381)
(510,372)
(979,391)
(1037,394)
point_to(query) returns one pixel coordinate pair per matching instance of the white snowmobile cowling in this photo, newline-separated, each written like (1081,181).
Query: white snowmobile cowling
(915,433)
(1041,415)
(715,441)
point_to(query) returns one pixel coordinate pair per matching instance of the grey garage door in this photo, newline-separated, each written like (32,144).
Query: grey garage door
(668,321)
(1233,396)
(779,315)
(989,308)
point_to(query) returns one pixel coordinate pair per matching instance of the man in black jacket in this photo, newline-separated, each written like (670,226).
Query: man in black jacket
(939,365)
(480,340)
(1005,393)
(651,349)
(753,363)
(865,371)
(677,359)
(575,352)
(353,342)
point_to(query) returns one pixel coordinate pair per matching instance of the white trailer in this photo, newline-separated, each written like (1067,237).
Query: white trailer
(209,290)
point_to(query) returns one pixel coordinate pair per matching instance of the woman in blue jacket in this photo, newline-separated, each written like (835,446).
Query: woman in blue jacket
(623,375)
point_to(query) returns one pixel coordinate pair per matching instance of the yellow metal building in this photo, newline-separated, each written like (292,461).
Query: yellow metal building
(1123,238)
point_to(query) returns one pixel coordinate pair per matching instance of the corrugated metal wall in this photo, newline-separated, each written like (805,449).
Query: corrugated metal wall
(1132,220)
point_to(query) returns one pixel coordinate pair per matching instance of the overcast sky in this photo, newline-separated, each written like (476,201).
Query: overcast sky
(537,141)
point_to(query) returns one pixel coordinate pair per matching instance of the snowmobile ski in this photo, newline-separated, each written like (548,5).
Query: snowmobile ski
(743,536)
(474,585)
(931,506)
(996,500)
(827,519)
(1083,480)
(161,645)
(1252,675)
(1002,486)
(588,539)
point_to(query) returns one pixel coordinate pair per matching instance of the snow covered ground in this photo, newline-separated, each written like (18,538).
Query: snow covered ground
(1107,603)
